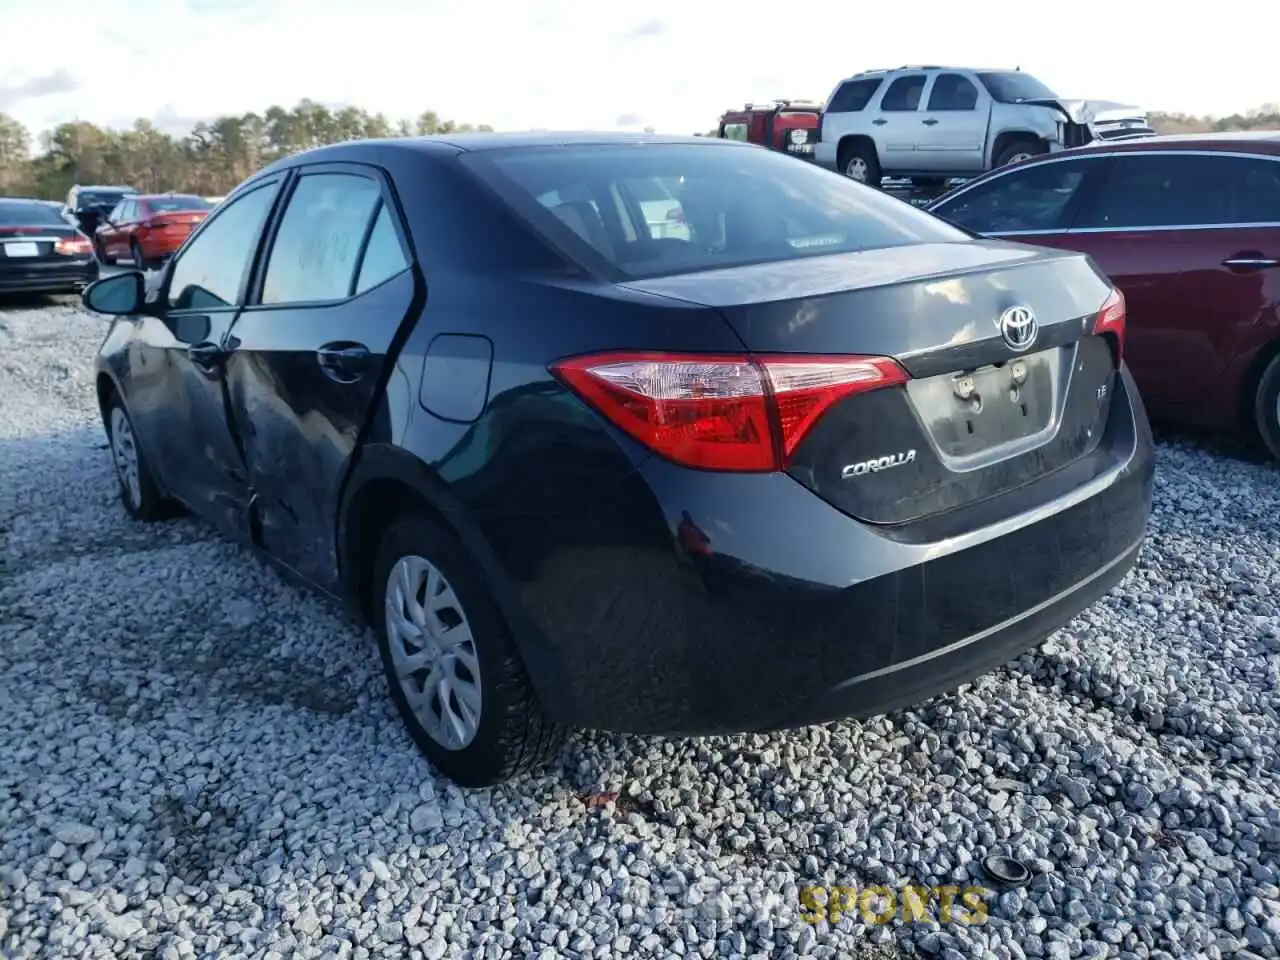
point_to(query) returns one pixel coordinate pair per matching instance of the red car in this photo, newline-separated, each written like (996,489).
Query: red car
(148,228)
(1188,227)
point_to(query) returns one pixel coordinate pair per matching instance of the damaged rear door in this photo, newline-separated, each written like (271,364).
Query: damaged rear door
(309,354)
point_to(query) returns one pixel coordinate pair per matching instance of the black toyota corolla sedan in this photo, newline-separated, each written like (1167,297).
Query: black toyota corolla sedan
(40,252)
(661,435)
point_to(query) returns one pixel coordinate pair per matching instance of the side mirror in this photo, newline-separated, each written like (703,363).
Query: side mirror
(121,295)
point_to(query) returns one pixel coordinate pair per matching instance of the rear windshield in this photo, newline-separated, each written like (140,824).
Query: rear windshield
(170,204)
(657,209)
(1011,86)
(30,215)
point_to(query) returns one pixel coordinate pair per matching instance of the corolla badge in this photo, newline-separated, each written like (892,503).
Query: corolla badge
(876,464)
(1019,327)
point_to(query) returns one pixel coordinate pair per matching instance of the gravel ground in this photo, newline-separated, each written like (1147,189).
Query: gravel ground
(198,760)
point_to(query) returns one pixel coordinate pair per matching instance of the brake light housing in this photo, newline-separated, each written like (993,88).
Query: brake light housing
(74,246)
(1111,321)
(727,412)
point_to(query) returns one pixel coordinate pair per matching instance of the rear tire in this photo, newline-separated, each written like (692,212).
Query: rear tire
(141,497)
(453,670)
(139,261)
(1266,408)
(859,162)
(1019,150)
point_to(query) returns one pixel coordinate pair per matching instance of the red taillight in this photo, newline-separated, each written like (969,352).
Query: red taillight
(732,412)
(72,246)
(1111,317)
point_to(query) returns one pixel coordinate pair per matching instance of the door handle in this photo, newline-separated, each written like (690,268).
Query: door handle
(343,362)
(929,123)
(1250,261)
(207,354)
(880,122)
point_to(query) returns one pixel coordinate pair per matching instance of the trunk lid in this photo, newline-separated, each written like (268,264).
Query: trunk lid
(977,417)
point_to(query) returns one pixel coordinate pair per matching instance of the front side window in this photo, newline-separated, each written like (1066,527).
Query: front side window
(313,258)
(1032,199)
(688,207)
(1172,190)
(734,131)
(904,93)
(1013,86)
(953,91)
(209,272)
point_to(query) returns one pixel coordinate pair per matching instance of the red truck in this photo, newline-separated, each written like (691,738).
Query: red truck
(789,126)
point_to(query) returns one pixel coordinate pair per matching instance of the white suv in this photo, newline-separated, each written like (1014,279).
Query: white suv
(932,123)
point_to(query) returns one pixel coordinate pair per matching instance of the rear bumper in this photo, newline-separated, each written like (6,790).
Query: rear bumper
(160,247)
(797,614)
(48,276)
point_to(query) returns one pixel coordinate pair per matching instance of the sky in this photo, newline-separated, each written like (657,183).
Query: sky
(675,65)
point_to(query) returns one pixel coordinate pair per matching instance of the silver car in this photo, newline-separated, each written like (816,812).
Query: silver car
(934,123)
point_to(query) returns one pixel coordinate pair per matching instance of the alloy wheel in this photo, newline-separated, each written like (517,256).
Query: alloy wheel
(433,652)
(856,169)
(124,451)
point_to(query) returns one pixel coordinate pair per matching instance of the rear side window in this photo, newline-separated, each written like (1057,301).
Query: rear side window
(854,95)
(648,210)
(383,256)
(314,254)
(1033,199)
(734,131)
(1175,190)
(904,93)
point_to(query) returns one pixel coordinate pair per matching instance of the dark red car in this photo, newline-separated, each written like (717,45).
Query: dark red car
(148,228)
(1188,227)
(788,126)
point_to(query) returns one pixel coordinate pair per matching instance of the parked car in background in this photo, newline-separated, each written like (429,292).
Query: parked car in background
(64,212)
(40,252)
(823,456)
(148,228)
(1188,227)
(931,123)
(90,204)
(789,126)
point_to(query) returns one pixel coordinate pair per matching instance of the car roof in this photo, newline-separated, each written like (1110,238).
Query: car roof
(28,200)
(454,143)
(160,196)
(1242,141)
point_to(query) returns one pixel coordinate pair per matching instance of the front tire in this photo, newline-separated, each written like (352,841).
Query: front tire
(453,670)
(1266,408)
(102,254)
(138,491)
(1019,150)
(139,261)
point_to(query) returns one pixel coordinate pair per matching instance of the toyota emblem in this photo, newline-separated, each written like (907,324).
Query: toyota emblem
(1019,328)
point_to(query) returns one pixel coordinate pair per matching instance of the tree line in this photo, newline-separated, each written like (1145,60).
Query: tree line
(210,160)
(218,154)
